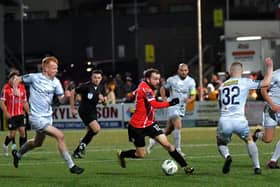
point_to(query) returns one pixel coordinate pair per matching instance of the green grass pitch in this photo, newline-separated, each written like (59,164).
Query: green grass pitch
(43,167)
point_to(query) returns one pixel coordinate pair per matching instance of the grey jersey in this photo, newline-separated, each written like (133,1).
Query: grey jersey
(42,90)
(182,89)
(274,91)
(233,94)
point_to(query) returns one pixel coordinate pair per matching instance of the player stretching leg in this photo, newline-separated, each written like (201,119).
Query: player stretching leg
(143,122)
(271,117)
(43,86)
(233,94)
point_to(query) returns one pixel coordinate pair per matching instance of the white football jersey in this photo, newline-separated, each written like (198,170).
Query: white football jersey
(274,91)
(233,94)
(182,89)
(42,90)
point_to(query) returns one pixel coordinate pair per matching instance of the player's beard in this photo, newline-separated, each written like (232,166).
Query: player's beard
(182,77)
(151,86)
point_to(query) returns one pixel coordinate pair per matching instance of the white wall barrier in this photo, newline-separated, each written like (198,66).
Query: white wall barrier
(117,116)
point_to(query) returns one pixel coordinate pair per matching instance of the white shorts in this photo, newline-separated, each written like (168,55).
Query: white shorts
(270,119)
(176,111)
(227,126)
(40,123)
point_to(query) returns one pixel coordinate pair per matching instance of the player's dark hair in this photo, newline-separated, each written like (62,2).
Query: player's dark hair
(148,72)
(13,73)
(97,71)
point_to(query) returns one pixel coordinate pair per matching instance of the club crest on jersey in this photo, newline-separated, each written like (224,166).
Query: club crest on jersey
(149,95)
(89,95)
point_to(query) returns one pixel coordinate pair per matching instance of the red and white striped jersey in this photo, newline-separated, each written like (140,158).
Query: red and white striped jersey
(14,99)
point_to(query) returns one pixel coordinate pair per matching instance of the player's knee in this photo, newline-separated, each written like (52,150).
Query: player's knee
(37,143)
(22,134)
(11,136)
(60,137)
(169,147)
(140,154)
(221,141)
(96,130)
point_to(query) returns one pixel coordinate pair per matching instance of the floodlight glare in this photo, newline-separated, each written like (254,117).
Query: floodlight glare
(246,38)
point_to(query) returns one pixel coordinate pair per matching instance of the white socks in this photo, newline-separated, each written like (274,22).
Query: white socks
(152,142)
(276,153)
(254,154)
(259,135)
(177,138)
(223,150)
(66,156)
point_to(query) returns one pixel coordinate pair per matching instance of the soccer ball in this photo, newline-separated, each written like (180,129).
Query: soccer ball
(169,167)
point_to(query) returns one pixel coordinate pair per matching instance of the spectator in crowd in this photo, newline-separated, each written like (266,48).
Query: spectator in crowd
(119,90)
(204,89)
(67,87)
(213,86)
(157,91)
(111,96)
(129,87)
(253,92)
(227,76)
(13,102)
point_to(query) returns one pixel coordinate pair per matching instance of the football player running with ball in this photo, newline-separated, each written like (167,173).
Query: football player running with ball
(143,122)
(233,94)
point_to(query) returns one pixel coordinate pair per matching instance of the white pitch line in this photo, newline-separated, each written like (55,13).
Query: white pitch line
(114,148)
(85,160)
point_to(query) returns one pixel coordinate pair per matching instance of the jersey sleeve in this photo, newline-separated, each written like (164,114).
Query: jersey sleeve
(80,89)
(3,94)
(28,78)
(253,84)
(150,96)
(168,83)
(192,88)
(58,88)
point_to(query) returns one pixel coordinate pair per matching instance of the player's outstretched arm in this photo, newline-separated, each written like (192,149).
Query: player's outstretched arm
(269,70)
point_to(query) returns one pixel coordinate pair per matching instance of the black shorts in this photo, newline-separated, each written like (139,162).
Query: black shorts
(15,122)
(88,118)
(137,135)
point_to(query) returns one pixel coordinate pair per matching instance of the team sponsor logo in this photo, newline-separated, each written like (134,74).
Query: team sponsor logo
(89,95)
(10,125)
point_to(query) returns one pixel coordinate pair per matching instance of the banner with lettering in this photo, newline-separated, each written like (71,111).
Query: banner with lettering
(108,116)
(205,113)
